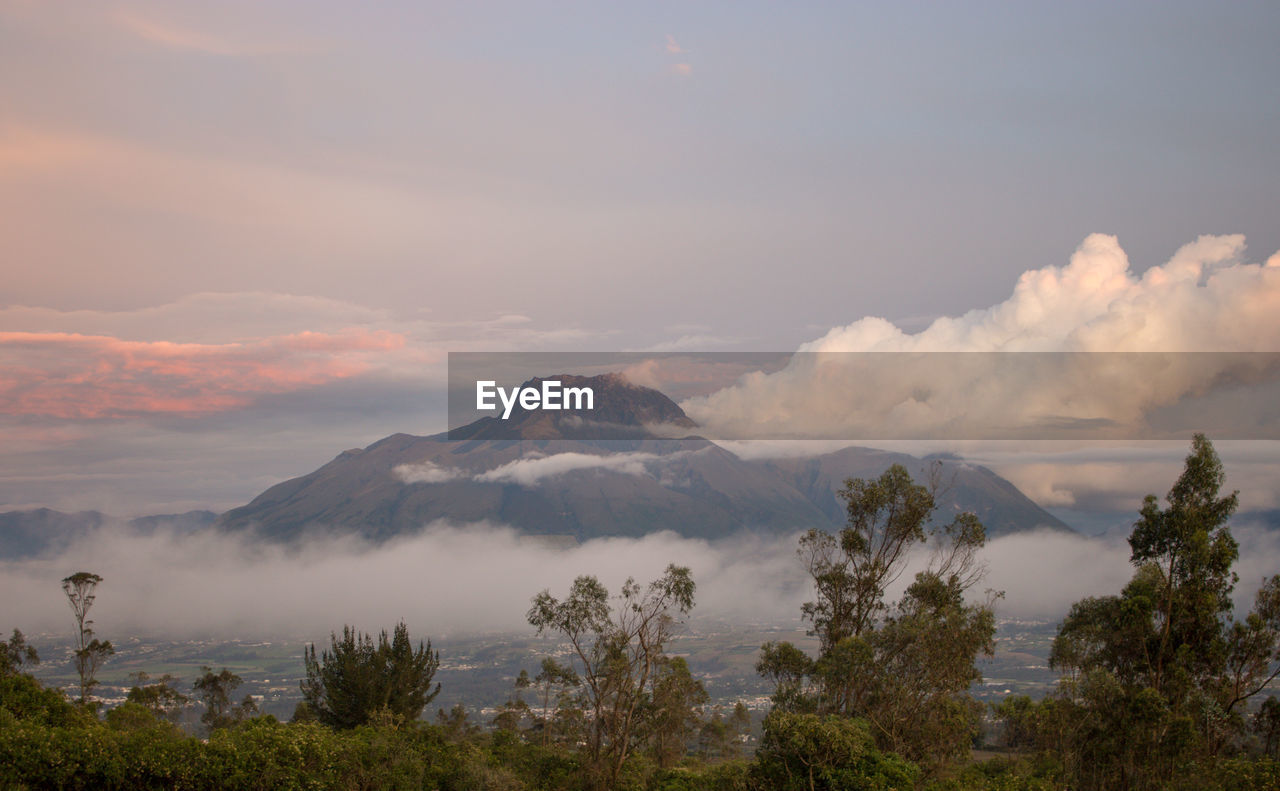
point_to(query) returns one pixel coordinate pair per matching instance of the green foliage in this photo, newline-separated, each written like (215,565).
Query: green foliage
(129,716)
(905,667)
(618,652)
(1266,724)
(16,656)
(214,691)
(53,744)
(1156,679)
(355,678)
(670,718)
(999,774)
(720,737)
(813,751)
(1015,720)
(160,697)
(556,686)
(789,669)
(851,571)
(24,699)
(512,713)
(456,724)
(729,776)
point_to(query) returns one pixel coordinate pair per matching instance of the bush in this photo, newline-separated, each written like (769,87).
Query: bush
(807,752)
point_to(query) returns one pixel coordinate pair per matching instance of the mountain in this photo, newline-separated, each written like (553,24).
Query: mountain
(554,473)
(962,486)
(39,531)
(562,474)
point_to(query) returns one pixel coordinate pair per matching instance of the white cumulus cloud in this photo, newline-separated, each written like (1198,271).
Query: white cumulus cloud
(529,472)
(1207,298)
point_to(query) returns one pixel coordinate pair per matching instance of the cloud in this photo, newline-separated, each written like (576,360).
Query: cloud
(476,578)
(214,352)
(73,376)
(529,472)
(426,472)
(1112,479)
(532,470)
(682,69)
(206,400)
(672,47)
(470,578)
(1205,299)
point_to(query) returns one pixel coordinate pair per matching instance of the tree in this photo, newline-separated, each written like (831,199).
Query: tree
(672,717)
(809,752)
(850,572)
(791,671)
(161,697)
(904,667)
(456,724)
(16,654)
(515,709)
(214,691)
(90,652)
(356,678)
(720,736)
(554,679)
(1266,723)
(619,652)
(1192,549)
(1160,674)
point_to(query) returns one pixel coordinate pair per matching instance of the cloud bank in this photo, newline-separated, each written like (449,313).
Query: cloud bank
(1207,298)
(475,578)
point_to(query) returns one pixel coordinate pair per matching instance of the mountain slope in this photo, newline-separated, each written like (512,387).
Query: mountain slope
(961,486)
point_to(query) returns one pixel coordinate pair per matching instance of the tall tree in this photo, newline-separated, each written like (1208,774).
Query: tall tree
(886,518)
(90,652)
(1191,546)
(1161,673)
(355,678)
(618,650)
(906,666)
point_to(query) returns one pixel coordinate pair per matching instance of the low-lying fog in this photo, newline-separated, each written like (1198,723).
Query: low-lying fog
(454,580)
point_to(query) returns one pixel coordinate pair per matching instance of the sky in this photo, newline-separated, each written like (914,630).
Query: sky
(238,238)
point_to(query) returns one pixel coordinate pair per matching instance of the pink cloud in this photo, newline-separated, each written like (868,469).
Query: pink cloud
(74,376)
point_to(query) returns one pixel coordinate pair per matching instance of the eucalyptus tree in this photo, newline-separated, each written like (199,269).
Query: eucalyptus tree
(1160,674)
(904,666)
(618,651)
(90,652)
